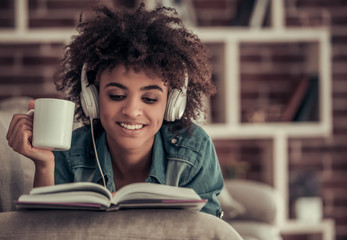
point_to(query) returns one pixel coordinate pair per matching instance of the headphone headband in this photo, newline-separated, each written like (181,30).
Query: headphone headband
(175,107)
(84,78)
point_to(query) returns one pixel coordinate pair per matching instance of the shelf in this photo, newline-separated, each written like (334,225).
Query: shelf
(42,35)
(230,40)
(326,228)
(264,130)
(225,34)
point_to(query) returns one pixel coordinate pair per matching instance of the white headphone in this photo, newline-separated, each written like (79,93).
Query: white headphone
(176,102)
(89,96)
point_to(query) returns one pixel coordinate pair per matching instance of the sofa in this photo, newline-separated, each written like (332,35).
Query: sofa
(251,208)
(243,218)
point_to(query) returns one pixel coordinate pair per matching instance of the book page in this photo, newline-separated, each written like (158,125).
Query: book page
(72,187)
(154,191)
(67,197)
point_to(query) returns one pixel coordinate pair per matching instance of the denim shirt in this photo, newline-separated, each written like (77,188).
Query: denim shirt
(185,159)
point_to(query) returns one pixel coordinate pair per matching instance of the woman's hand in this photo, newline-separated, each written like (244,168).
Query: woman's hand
(19,137)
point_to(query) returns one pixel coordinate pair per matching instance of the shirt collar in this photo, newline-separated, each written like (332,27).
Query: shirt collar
(158,168)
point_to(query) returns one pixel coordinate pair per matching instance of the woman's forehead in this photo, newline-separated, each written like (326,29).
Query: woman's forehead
(120,74)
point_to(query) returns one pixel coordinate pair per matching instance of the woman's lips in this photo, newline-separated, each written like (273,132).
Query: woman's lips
(131,128)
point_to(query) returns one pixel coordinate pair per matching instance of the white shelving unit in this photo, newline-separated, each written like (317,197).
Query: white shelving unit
(279,132)
(233,128)
(231,38)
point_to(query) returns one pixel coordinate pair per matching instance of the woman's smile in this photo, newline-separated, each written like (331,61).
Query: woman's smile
(131,126)
(131,130)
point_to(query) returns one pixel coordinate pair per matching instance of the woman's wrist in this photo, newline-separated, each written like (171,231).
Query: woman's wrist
(44,174)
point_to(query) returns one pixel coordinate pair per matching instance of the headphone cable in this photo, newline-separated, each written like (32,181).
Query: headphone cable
(96,153)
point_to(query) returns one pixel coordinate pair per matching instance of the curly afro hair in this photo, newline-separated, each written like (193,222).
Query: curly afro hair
(141,40)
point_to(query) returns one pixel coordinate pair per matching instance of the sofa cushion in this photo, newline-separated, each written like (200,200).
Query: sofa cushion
(23,167)
(11,173)
(14,105)
(126,224)
(16,171)
(231,208)
(250,230)
(259,200)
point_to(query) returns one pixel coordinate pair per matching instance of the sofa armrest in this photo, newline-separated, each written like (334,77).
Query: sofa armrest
(11,173)
(126,224)
(16,171)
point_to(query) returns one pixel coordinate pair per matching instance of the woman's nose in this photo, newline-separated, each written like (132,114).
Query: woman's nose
(132,108)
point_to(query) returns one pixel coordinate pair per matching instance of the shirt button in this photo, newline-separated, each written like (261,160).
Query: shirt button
(221,214)
(174,140)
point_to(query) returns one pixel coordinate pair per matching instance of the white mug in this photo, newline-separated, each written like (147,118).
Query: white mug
(53,122)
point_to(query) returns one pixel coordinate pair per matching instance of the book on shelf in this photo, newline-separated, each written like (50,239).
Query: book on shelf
(243,13)
(295,100)
(303,105)
(309,108)
(252,13)
(92,196)
(259,13)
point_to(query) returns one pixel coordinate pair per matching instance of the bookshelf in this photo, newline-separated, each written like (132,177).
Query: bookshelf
(231,39)
(227,41)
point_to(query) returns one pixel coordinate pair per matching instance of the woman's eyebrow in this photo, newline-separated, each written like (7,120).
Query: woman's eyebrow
(150,87)
(114,84)
(145,88)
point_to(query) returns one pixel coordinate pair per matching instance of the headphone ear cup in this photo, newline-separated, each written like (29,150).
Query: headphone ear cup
(90,101)
(168,111)
(175,106)
(181,103)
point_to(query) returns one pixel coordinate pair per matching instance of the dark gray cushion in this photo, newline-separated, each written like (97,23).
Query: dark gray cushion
(125,224)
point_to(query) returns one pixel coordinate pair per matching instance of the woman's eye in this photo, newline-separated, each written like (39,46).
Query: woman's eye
(149,100)
(117,97)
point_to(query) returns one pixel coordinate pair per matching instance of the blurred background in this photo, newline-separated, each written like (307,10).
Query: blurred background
(280,66)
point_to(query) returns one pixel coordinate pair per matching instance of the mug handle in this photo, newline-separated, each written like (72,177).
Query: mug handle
(30,112)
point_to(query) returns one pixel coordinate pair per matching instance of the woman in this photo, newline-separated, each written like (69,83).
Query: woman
(147,76)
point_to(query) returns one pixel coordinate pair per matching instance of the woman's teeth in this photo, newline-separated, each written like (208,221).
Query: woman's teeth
(131,127)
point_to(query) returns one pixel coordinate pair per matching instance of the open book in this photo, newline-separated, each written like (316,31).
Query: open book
(92,196)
